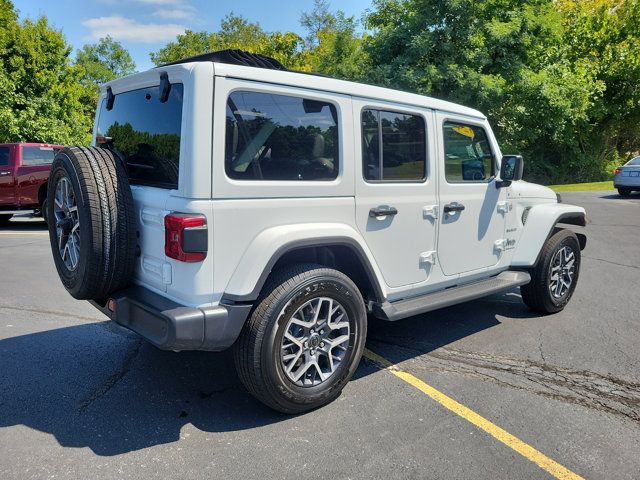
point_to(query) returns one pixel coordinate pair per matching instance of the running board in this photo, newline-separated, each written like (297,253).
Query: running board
(450,296)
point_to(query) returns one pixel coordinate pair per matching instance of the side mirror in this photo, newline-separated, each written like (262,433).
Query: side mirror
(511,169)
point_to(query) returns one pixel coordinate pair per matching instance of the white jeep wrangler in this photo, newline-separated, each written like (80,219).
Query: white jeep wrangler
(228,202)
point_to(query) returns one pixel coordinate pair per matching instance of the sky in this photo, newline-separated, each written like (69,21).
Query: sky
(144,26)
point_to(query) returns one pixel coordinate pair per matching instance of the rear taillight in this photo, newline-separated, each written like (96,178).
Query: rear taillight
(185,237)
(616,171)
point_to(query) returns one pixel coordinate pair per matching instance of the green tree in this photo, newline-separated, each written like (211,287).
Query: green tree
(41,89)
(235,33)
(100,63)
(603,37)
(332,45)
(104,61)
(507,58)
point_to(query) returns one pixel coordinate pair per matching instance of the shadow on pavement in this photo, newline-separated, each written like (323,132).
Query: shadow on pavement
(633,196)
(97,385)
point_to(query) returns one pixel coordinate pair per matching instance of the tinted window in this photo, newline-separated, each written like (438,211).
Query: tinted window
(38,155)
(393,146)
(280,137)
(467,154)
(4,156)
(146,133)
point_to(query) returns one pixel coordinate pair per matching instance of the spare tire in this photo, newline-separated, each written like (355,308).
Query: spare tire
(92,223)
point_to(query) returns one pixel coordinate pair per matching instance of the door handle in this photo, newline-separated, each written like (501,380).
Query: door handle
(453,207)
(382,211)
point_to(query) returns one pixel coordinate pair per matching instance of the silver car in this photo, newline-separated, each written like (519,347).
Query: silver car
(627,177)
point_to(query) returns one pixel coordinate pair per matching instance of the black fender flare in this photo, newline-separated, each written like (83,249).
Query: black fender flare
(286,248)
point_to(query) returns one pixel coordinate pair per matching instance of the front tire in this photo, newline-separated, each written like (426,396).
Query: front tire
(554,278)
(304,339)
(624,192)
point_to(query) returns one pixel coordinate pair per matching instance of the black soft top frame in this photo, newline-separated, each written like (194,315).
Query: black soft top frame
(234,57)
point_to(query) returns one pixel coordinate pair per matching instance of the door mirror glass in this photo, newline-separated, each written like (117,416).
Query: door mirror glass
(511,168)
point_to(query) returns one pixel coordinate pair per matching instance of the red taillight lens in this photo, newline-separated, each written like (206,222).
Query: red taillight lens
(185,237)
(616,171)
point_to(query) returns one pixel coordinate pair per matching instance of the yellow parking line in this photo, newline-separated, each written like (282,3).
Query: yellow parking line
(524,449)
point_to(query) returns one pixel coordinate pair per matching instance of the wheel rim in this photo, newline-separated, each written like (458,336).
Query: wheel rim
(315,342)
(67,223)
(561,272)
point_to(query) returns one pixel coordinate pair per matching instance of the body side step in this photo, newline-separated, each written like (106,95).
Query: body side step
(450,296)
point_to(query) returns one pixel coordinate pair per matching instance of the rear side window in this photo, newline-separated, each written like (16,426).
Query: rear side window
(146,133)
(467,154)
(393,146)
(37,155)
(4,156)
(280,137)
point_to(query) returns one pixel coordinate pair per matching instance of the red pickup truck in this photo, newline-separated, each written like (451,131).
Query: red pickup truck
(24,171)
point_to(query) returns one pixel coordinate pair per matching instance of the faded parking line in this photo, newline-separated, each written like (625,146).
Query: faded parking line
(25,233)
(524,449)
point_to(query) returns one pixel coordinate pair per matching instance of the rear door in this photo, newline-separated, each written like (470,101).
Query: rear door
(395,189)
(147,132)
(33,171)
(7,187)
(473,214)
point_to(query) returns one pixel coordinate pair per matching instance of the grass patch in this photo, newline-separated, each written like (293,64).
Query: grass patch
(583,187)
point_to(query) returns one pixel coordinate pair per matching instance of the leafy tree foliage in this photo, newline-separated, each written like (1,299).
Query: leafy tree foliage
(105,61)
(235,33)
(101,62)
(41,90)
(558,79)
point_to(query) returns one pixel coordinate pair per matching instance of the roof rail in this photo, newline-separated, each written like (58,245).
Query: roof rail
(234,57)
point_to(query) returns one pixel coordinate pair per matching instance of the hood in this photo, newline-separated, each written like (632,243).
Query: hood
(522,189)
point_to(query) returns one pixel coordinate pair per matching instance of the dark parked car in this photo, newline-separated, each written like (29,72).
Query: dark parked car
(24,171)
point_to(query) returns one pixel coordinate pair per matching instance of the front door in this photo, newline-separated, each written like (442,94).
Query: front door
(472,219)
(395,188)
(7,187)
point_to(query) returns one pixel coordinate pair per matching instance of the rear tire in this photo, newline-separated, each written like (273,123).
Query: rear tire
(624,192)
(4,219)
(554,278)
(92,223)
(285,338)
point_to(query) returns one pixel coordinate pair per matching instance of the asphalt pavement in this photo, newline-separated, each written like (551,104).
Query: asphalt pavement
(81,397)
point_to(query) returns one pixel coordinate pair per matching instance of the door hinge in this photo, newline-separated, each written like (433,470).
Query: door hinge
(430,211)
(504,207)
(428,257)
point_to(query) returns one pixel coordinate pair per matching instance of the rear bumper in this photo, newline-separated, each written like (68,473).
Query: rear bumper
(171,326)
(626,182)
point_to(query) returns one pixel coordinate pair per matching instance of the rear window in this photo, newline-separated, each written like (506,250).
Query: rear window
(38,155)
(146,133)
(4,156)
(634,161)
(280,137)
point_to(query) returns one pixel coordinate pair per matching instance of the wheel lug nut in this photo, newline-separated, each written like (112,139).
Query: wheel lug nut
(322,344)
(321,332)
(312,331)
(306,344)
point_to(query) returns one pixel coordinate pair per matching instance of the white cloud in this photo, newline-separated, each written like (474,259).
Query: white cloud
(173,13)
(121,28)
